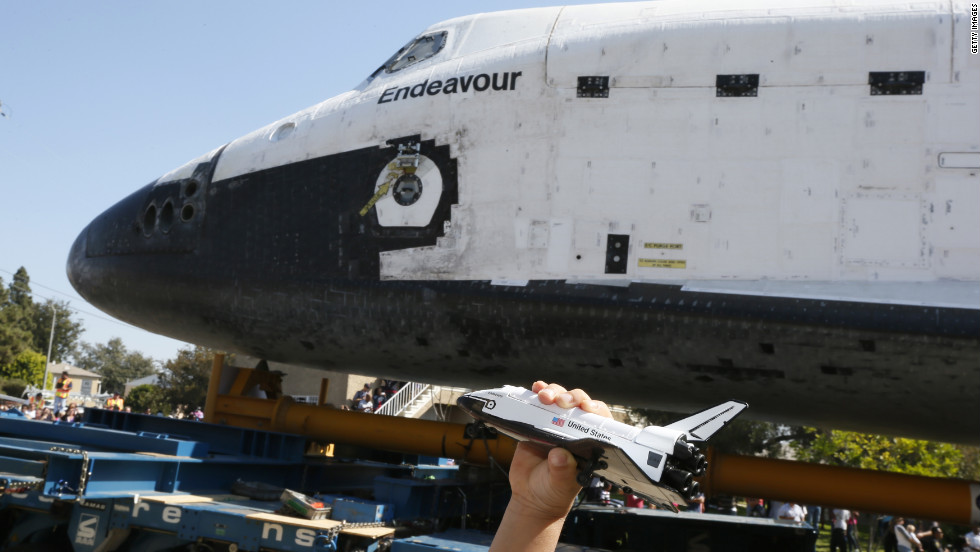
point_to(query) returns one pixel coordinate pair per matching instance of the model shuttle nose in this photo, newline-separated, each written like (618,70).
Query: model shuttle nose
(471,404)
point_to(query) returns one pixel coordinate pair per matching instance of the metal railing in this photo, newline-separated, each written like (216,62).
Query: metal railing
(397,403)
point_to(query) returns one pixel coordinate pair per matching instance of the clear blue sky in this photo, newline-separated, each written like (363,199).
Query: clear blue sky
(103,97)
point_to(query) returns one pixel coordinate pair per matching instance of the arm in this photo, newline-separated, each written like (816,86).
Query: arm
(542,482)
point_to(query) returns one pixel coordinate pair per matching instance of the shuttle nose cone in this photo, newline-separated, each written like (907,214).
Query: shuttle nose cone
(104,263)
(75,267)
(134,259)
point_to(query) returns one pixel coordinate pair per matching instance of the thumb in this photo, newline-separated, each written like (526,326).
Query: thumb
(562,470)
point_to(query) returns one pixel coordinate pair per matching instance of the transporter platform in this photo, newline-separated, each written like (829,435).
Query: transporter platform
(164,484)
(134,482)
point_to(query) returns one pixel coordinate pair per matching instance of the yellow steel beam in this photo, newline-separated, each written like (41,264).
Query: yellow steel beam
(392,433)
(213,385)
(931,498)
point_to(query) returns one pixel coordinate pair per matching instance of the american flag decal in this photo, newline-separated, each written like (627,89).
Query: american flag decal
(558,421)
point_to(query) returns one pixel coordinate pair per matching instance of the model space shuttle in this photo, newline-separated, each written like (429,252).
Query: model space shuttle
(658,463)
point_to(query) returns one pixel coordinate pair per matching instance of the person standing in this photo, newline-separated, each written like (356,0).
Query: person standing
(364,405)
(791,511)
(379,398)
(904,539)
(852,532)
(62,388)
(838,533)
(696,503)
(890,541)
(364,392)
(934,541)
(593,493)
(813,514)
(973,539)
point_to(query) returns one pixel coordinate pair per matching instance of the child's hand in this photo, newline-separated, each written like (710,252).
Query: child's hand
(543,481)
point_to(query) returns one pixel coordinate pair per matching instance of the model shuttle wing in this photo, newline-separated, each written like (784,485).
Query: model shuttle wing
(704,424)
(623,471)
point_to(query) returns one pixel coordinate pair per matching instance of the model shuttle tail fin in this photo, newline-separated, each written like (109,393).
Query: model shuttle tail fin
(704,424)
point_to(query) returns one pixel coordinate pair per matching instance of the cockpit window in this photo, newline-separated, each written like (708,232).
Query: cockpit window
(415,51)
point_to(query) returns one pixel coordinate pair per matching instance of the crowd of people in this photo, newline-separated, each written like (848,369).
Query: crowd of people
(61,410)
(36,409)
(893,533)
(368,400)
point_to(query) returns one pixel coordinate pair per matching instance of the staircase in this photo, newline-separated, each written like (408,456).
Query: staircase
(419,405)
(415,399)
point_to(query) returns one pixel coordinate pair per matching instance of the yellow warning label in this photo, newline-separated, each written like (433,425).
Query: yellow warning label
(662,263)
(653,245)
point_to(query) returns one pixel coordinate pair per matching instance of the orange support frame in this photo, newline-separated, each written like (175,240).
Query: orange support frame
(931,498)
(321,423)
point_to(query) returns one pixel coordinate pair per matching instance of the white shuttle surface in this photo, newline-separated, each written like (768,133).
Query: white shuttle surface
(656,462)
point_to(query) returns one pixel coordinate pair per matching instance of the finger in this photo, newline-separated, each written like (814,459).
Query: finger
(571,399)
(596,407)
(548,394)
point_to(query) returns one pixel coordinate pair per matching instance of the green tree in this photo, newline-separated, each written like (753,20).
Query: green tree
(876,452)
(114,363)
(14,338)
(185,378)
(152,397)
(20,296)
(13,387)
(20,289)
(27,366)
(66,330)
(970,465)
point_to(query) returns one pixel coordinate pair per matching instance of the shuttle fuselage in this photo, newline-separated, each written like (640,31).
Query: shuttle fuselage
(775,201)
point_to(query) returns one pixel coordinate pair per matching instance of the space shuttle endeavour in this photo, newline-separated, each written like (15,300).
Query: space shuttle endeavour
(776,200)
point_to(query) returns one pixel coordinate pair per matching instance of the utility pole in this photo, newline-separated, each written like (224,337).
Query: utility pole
(47,360)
